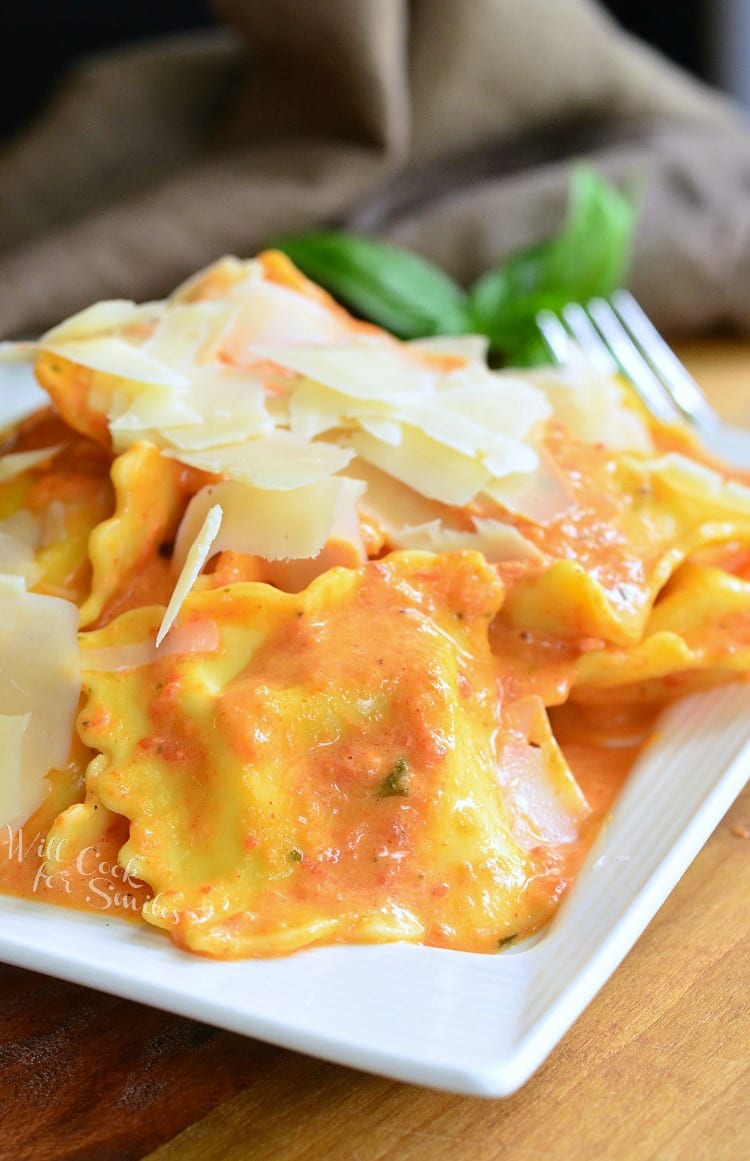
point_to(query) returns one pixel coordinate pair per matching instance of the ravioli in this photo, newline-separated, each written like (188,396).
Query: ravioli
(631,523)
(54,505)
(125,550)
(698,635)
(330,770)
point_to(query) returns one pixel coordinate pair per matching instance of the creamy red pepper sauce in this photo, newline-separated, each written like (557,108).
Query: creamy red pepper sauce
(96,882)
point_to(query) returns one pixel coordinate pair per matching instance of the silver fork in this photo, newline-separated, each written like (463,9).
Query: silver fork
(616,335)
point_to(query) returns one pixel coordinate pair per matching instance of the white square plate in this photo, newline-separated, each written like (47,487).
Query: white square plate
(467,1023)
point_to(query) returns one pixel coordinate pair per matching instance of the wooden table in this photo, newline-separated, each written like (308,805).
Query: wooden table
(657,1067)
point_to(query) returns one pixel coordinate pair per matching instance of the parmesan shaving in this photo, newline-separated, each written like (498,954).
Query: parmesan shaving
(196,557)
(385,430)
(369,368)
(315,409)
(195,637)
(390,502)
(103,317)
(112,356)
(12,730)
(221,406)
(137,416)
(496,541)
(278,462)
(272,314)
(498,401)
(39,680)
(190,334)
(472,348)
(14,463)
(698,480)
(543,797)
(20,537)
(592,406)
(215,280)
(540,496)
(503,455)
(276,525)
(435,470)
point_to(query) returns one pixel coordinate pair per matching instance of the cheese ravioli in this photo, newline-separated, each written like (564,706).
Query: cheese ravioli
(329,771)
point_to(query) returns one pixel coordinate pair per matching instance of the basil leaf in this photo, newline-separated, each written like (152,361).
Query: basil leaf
(412,298)
(389,286)
(589,257)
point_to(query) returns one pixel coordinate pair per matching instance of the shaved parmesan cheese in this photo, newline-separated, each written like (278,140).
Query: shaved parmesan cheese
(112,356)
(390,502)
(272,314)
(39,680)
(190,334)
(139,414)
(472,348)
(106,316)
(385,430)
(435,470)
(507,457)
(314,409)
(276,525)
(496,541)
(16,462)
(345,525)
(378,369)
(196,557)
(278,462)
(216,279)
(502,455)
(545,801)
(733,492)
(221,406)
(196,637)
(497,401)
(12,730)
(23,526)
(17,559)
(592,406)
(529,791)
(697,480)
(12,353)
(540,496)
(20,536)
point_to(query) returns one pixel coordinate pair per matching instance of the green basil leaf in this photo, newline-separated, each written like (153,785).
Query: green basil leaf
(389,286)
(589,257)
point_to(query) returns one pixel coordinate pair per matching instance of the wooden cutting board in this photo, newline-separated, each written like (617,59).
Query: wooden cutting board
(657,1067)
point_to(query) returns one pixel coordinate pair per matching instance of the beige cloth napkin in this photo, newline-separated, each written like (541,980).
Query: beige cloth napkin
(446,125)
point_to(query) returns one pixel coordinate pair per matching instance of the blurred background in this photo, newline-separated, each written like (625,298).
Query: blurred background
(709,38)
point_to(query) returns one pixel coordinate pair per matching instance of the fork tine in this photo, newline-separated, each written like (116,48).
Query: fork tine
(683,389)
(615,335)
(588,338)
(556,338)
(630,359)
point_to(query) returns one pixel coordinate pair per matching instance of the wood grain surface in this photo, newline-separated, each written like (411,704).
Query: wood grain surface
(658,1067)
